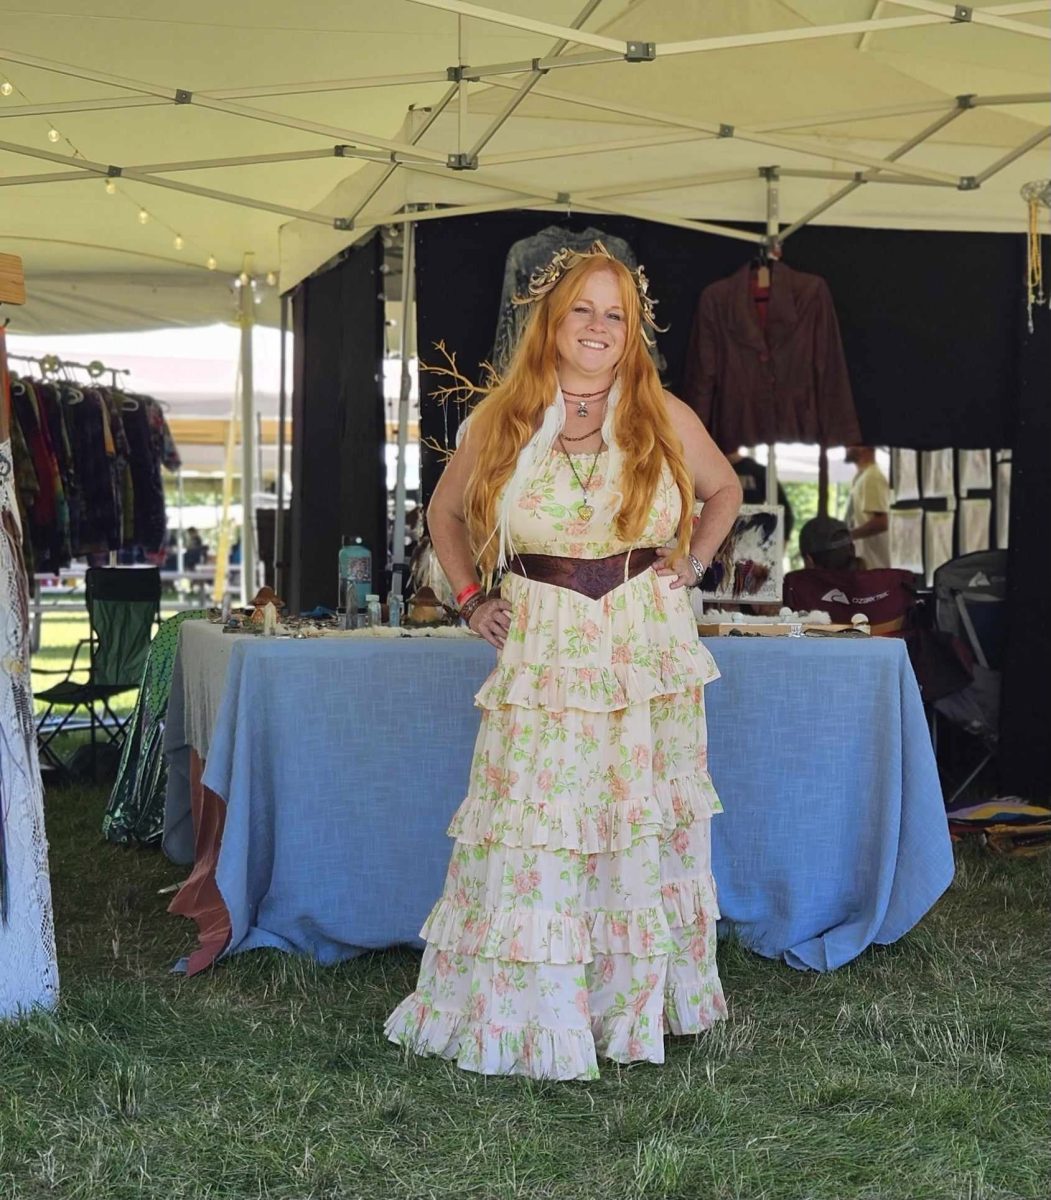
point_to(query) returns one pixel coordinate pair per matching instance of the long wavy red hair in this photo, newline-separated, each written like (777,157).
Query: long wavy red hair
(512,410)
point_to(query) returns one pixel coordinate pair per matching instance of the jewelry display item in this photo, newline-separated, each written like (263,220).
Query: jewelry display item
(584,510)
(698,567)
(584,436)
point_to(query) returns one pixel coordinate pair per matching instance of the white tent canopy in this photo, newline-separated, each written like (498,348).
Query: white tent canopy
(216,126)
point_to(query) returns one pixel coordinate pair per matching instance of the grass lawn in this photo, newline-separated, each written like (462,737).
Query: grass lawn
(919,1071)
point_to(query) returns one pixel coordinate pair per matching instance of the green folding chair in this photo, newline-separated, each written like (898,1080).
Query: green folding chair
(124,606)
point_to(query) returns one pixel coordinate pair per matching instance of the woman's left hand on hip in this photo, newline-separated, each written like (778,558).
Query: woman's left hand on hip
(669,563)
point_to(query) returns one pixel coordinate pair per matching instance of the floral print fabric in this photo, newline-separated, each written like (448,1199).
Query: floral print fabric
(578,914)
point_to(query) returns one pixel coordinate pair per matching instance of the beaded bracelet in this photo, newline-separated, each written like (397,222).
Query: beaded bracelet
(467,593)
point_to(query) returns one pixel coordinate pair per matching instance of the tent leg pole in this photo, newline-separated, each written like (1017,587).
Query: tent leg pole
(398,566)
(773,224)
(248,580)
(180,549)
(282,407)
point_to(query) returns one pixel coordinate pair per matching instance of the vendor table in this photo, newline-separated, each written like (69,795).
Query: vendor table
(334,765)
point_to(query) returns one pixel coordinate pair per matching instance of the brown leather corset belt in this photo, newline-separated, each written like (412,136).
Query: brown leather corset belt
(592,577)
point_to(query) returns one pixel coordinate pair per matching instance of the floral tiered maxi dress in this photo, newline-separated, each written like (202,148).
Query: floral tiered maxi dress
(578,914)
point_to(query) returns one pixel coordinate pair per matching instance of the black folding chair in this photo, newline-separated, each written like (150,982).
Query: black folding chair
(970,603)
(124,606)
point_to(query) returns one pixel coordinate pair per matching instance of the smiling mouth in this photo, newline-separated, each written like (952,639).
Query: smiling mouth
(592,345)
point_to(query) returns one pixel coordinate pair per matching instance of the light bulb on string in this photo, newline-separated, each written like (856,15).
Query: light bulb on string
(212,262)
(144,216)
(178,243)
(53,134)
(271,278)
(244,279)
(111,187)
(6,88)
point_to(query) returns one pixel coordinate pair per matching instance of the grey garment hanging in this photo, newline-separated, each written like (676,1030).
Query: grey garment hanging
(526,256)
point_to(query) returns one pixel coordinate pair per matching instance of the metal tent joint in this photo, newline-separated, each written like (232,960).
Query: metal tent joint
(770,174)
(640,51)
(462,162)
(967,100)
(182,96)
(539,68)
(726,131)
(962,12)
(342,223)
(113,172)
(968,183)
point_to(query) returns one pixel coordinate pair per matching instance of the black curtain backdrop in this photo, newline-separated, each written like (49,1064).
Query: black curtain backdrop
(338,465)
(932,326)
(1025,727)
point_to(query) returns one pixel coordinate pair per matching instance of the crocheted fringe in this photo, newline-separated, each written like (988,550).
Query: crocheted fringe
(493,1048)
(680,668)
(564,824)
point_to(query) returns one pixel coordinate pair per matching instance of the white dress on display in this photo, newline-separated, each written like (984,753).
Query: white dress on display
(28,970)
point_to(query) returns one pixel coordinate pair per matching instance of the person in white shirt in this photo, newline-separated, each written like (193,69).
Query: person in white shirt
(867,510)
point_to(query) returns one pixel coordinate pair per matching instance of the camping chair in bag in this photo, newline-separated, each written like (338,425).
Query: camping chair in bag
(123,605)
(970,603)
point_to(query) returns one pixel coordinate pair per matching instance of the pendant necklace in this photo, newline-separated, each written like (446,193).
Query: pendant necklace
(582,398)
(584,510)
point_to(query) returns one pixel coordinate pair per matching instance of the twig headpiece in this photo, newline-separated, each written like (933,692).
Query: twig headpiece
(545,278)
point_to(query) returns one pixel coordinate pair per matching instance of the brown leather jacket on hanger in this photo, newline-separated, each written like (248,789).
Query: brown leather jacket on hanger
(789,386)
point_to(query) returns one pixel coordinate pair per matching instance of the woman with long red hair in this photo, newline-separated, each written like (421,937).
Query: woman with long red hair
(578,915)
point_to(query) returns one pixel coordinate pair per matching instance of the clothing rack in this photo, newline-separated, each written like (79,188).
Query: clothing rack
(51,364)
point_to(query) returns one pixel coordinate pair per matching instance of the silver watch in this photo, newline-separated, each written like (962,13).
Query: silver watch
(699,569)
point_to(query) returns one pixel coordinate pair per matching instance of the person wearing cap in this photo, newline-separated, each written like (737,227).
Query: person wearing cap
(869,505)
(825,542)
(835,581)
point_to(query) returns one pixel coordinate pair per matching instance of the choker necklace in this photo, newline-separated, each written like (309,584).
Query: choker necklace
(582,398)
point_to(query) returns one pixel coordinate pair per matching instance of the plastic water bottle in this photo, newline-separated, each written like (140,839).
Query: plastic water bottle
(373,612)
(394,610)
(355,576)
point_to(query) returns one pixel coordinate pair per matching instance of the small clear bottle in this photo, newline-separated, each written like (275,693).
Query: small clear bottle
(373,612)
(395,610)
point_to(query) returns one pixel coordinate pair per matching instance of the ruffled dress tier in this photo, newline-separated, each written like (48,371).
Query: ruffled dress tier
(578,914)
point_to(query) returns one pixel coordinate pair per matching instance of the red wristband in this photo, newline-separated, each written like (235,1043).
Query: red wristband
(467,593)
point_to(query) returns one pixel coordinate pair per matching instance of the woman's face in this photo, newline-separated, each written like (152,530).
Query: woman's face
(590,338)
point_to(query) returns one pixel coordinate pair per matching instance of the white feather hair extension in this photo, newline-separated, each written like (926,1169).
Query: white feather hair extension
(533,452)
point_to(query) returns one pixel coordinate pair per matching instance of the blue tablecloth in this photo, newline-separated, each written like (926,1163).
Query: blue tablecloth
(342,761)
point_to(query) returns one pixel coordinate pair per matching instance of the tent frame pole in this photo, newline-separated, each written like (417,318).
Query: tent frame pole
(282,412)
(799,145)
(979,16)
(530,82)
(399,567)
(247,320)
(860,179)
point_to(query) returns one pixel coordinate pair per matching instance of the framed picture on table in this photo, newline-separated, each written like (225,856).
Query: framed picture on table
(756,559)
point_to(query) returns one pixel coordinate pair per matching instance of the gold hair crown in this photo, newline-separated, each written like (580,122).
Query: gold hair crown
(545,278)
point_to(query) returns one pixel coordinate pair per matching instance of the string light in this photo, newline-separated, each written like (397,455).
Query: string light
(178,243)
(53,134)
(111,187)
(271,278)
(212,262)
(144,216)
(243,279)
(6,88)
